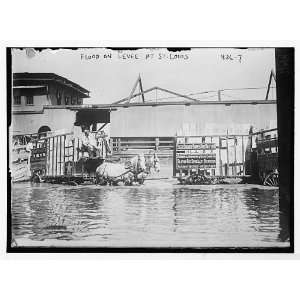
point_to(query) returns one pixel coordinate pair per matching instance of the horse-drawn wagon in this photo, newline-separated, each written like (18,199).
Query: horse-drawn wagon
(66,158)
(229,158)
(263,157)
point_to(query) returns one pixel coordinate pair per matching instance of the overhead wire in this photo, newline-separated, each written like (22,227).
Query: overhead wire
(206,92)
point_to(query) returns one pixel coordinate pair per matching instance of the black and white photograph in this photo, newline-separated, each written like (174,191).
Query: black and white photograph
(150,149)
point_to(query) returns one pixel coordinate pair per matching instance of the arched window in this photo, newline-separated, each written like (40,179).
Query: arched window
(43,131)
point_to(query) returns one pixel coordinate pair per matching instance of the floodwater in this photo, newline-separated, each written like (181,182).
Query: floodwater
(157,214)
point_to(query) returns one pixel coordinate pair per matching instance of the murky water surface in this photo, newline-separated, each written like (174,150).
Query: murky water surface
(156,214)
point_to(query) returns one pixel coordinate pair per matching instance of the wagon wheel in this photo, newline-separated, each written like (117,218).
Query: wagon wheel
(271,179)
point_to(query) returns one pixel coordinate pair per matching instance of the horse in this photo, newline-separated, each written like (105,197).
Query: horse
(113,173)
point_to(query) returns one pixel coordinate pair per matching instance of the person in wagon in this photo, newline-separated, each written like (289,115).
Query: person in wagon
(102,144)
(29,148)
(89,144)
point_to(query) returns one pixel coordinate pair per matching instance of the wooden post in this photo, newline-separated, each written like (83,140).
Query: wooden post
(52,171)
(227,154)
(243,155)
(220,158)
(56,149)
(174,156)
(64,165)
(269,84)
(111,144)
(203,161)
(157,144)
(73,156)
(235,143)
(60,160)
(211,151)
(119,145)
(78,153)
(47,156)
(219,95)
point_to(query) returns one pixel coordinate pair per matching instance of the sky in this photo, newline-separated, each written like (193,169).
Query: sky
(109,75)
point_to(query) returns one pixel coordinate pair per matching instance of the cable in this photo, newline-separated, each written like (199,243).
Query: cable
(206,92)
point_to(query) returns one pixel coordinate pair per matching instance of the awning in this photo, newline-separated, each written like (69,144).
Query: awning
(88,116)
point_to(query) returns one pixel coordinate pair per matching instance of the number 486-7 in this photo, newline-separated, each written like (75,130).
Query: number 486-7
(230,57)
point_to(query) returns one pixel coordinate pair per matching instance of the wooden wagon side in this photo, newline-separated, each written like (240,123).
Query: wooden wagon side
(267,157)
(58,159)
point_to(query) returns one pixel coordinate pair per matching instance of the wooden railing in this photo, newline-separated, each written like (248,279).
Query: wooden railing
(123,144)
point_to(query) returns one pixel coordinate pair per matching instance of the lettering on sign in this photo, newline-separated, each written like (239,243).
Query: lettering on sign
(198,156)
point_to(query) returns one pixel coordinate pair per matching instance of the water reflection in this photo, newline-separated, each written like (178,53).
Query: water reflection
(166,215)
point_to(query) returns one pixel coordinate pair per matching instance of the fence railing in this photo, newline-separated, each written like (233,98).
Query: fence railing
(122,144)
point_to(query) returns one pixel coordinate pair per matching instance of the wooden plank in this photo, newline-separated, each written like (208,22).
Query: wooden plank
(119,145)
(52,171)
(157,143)
(138,147)
(47,157)
(220,157)
(269,84)
(264,131)
(50,137)
(224,136)
(78,152)
(243,155)
(174,156)
(64,145)
(136,142)
(133,89)
(60,156)
(102,126)
(219,95)
(227,156)
(111,145)
(73,153)
(56,150)
(177,94)
(211,151)
(234,148)
(133,96)
(141,89)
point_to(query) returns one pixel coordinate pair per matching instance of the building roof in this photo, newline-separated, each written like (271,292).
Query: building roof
(32,79)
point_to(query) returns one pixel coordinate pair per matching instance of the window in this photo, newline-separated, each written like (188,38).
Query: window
(29,100)
(67,100)
(17,100)
(58,96)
